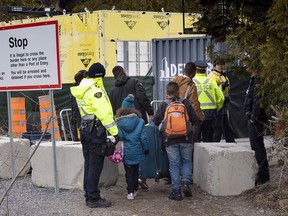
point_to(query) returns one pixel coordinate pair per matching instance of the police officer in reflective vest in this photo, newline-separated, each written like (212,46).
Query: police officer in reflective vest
(97,118)
(211,99)
(222,125)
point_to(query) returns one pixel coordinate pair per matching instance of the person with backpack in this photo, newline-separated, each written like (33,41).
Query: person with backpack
(132,131)
(187,88)
(125,85)
(175,118)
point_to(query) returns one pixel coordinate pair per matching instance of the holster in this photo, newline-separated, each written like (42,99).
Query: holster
(90,123)
(105,149)
(101,130)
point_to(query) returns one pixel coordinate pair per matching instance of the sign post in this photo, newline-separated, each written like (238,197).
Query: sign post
(30,60)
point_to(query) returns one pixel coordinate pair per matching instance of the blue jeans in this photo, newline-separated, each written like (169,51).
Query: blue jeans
(180,162)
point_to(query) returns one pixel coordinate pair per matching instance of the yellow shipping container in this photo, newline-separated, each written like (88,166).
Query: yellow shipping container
(101,35)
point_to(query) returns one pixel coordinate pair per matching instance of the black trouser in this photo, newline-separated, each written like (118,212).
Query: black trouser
(223,126)
(131,175)
(218,126)
(93,162)
(207,130)
(228,131)
(257,145)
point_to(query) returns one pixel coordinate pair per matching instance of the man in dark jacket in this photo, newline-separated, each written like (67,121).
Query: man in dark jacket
(257,117)
(125,85)
(179,149)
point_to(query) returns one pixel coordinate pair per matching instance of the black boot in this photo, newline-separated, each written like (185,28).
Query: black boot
(186,190)
(101,203)
(261,179)
(175,195)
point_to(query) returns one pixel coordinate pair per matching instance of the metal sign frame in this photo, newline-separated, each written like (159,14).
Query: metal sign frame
(23,48)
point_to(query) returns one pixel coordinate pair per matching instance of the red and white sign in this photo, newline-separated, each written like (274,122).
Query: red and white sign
(30,58)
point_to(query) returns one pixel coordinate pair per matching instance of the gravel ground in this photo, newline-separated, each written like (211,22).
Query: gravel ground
(27,199)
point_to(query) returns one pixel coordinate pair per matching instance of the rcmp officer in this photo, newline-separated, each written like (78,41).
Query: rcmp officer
(97,118)
(222,125)
(211,100)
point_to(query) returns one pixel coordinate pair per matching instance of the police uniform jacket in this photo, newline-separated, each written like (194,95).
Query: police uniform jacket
(183,82)
(92,99)
(210,96)
(221,80)
(75,116)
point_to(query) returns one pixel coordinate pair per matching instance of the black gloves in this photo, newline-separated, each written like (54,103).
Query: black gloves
(146,152)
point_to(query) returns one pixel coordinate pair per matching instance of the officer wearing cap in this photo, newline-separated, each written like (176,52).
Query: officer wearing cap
(97,118)
(222,125)
(211,100)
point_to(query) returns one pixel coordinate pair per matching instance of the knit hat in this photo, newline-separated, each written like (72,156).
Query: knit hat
(128,102)
(96,70)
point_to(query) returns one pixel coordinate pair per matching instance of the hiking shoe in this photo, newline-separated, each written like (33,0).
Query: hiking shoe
(135,193)
(142,184)
(130,196)
(175,196)
(262,179)
(259,181)
(101,203)
(186,190)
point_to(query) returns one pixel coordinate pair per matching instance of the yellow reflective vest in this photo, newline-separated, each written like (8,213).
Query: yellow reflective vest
(210,95)
(220,79)
(92,99)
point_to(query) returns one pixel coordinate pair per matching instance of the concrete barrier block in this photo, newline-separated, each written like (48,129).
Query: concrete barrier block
(70,166)
(223,169)
(21,149)
(272,157)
